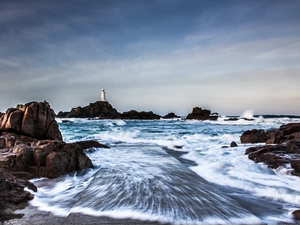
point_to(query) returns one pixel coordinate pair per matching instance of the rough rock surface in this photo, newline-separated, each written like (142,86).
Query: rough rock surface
(285,148)
(171,116)
(99,109)
(34,119)
(290,131)
(254,136)
(135,115)
(201,114)
(42,158)
(12,193)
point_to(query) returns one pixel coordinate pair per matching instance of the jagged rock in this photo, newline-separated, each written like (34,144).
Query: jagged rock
(99,109)
(12,193)
(46,158)
(34,119)
(171,116)
(277,155)
(290,131)
(254,136)
(135,115)
(201,114)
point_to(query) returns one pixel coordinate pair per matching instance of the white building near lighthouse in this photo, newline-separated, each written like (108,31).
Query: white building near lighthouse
(102,96)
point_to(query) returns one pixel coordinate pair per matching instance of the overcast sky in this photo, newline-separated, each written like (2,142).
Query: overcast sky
(160,55)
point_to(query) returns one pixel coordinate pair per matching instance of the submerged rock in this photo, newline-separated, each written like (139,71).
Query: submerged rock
(201,114)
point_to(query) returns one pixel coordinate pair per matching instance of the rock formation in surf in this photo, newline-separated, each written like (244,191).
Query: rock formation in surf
(99,109)
(201,114)
(31,146)
(286,150)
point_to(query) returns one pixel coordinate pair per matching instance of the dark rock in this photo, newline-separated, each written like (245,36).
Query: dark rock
(91,144)
(224,146)
(232,119)
(233,144)
(178,146)
(12,193)
(290,131)
(47,158)
(296,214)
(99,109)
(201,114)
(254,136)
(295,164)
(135,115)
(277,155)
(34,119)
(171,116)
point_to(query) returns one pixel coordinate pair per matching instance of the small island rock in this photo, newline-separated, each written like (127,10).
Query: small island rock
(201,114)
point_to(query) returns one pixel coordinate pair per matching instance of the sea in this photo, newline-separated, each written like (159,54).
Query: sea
(173,171)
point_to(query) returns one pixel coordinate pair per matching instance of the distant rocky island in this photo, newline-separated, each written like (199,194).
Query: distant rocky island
(102,109)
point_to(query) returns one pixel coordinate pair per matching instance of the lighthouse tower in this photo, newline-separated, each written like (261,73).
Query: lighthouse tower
(102,96)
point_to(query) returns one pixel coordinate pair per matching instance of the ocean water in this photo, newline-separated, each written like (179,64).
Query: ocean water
(172,171)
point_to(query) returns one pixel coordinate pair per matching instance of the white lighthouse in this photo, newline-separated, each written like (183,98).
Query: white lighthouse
(102,96)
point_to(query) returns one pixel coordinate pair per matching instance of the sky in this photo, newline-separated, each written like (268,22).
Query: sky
(160,55)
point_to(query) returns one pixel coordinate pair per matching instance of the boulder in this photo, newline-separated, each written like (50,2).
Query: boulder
(46,158)
(171,116)
(201,114)
(99,109)
(253,136)
(233,144)
(135,115)
(34,119)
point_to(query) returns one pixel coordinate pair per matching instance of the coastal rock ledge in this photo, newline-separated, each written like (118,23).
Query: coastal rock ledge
(31,146)
(282,147)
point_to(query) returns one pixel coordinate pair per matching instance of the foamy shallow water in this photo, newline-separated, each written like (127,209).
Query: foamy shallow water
(264,195)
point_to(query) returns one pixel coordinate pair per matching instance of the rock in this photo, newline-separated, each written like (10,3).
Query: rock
(12,193)
(277,155)
(296,214)
(91,144)
(99,109)
(135,115)
(295,164)
(233,144)
(254,136)
(286,132)
(34,119)
(171,116)
(46,158)
(201,114)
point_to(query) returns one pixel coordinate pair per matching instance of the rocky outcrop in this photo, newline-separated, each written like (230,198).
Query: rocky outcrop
(286,150)
(41,158)
(171,116)
(254,136)
(34,119)
(290,131)
(12,193)
(135,115)
(99,109)
(201,114)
